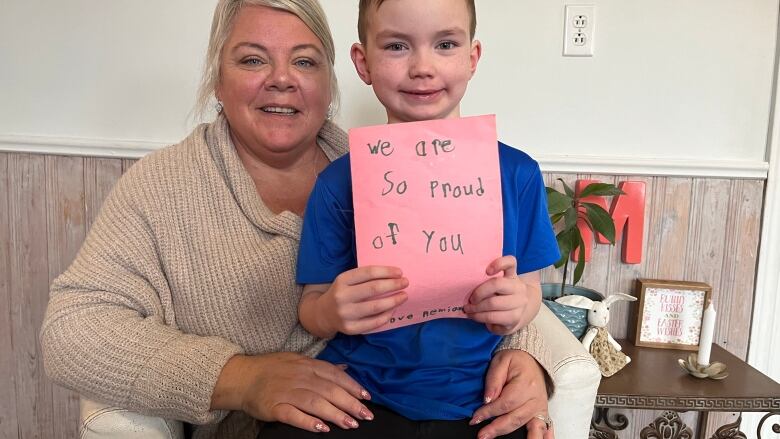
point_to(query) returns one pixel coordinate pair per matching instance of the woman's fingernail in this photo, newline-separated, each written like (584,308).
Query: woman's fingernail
(364,394)
(483,436)
(365,414)
(342,366)
(488,399)
(476,420)
(321,427)
(350,422)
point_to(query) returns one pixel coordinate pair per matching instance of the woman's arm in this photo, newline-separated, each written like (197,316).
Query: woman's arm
(516,392)
(291,388)
(108,335)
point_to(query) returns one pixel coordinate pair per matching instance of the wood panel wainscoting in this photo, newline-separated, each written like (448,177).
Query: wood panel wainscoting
(699,229)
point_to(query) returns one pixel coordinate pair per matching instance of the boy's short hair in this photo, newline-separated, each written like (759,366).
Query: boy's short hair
(365,5)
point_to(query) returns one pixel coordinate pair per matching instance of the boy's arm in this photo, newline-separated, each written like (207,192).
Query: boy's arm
(357,301)
(308,314)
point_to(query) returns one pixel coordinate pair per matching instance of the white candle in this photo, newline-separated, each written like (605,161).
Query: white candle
(705,337)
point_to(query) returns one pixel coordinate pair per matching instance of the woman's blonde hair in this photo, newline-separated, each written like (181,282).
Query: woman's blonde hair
(309,11)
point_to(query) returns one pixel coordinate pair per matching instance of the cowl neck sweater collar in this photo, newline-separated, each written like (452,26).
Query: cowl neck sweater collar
(331,139)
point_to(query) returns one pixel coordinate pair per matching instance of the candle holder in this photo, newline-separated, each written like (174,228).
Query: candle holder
(715,370)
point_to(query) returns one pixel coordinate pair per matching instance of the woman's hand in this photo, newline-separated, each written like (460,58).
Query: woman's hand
(506,303)
(356,301)
(515,392)
(291,388)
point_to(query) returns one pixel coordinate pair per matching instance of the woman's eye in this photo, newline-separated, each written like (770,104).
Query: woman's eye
(251,61)
(447,45)
(304,63)
(395,47)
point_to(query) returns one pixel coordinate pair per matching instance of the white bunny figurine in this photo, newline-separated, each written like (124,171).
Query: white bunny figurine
(597,340)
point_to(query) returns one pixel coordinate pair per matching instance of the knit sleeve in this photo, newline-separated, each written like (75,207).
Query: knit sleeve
(531,340)
(106,333)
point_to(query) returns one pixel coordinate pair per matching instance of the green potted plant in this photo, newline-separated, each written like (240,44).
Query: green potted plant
(567,209)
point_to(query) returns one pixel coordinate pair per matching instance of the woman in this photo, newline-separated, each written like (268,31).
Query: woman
(182,301)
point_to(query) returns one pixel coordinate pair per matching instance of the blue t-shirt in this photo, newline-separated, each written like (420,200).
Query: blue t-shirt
(435,369)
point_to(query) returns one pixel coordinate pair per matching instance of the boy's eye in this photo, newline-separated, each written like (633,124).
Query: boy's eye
(395,47)
(447,45)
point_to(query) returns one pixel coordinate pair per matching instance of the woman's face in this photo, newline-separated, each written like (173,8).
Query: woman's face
(275,82)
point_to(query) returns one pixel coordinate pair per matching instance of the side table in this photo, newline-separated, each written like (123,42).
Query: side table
(654,381)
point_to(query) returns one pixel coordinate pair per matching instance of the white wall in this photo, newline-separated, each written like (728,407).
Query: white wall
(669,79)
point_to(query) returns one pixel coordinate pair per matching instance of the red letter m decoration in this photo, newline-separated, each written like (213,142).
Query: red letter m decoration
(628,213)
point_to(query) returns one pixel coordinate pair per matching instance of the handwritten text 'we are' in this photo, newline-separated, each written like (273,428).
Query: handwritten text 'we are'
(441,190)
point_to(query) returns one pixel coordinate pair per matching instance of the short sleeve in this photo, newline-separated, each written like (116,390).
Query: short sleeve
(536,246)
(327,239)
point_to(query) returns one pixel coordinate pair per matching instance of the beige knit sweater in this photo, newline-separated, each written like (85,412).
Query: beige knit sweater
(184,268)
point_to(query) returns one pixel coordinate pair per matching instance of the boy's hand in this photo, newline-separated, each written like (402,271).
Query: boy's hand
(356,303)
(507,303)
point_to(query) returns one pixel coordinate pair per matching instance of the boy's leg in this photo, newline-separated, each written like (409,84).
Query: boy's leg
(386,424)
(459,430)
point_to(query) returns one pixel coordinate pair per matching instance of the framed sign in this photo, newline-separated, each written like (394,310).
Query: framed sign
(669,314)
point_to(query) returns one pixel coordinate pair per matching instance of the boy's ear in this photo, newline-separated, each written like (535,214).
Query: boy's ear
(476,53)
(358,54)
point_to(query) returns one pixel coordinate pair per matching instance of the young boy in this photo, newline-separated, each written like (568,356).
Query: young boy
(419,55)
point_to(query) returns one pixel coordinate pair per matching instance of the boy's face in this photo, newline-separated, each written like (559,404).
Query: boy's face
(419,57)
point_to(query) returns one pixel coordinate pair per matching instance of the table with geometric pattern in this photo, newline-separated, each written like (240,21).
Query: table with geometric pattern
(654,381)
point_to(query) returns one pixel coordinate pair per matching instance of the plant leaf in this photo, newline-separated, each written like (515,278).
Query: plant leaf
(564,246)
(569,191)
(571,219)
(600,221)
(555,218)
(580,260)
(557,202)
(601,189)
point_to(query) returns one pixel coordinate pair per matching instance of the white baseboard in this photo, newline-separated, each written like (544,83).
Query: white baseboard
(654,166)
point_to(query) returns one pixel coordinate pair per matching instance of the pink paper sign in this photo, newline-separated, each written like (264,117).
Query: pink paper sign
(427,199)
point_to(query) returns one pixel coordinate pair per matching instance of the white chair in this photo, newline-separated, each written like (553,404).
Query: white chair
(574,372)
(103,421)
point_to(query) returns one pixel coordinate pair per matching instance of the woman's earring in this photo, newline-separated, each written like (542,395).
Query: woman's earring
(330,114)
(219,107)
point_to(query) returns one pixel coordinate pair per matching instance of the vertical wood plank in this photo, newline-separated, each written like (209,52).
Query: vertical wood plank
(707,248)
(66,229)
(736,294)
(29,285)
(671,220)
(100,175)
(8,416)
(739,266)
(127,163)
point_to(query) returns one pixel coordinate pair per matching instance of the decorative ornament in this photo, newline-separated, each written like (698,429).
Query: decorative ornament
(715,370)
(218,107)
(597,340)
(668,425)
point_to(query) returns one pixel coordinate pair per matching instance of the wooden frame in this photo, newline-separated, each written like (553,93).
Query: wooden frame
(669,314)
